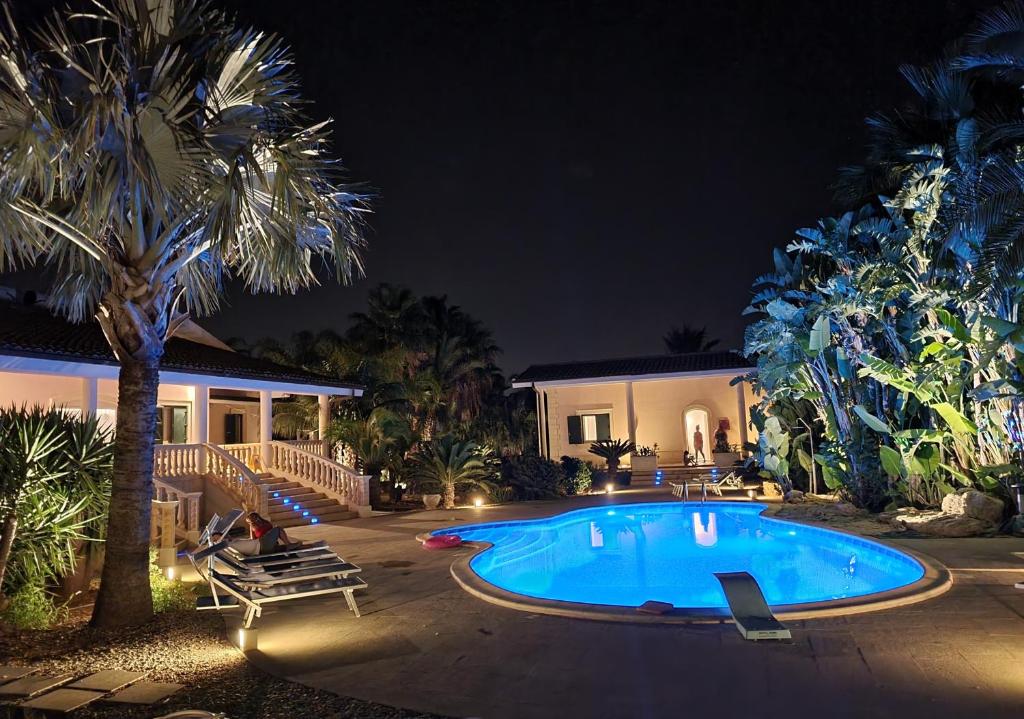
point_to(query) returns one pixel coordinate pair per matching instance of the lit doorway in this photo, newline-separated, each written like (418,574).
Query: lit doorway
(695,418)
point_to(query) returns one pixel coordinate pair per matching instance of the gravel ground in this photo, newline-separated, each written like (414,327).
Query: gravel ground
(187,648)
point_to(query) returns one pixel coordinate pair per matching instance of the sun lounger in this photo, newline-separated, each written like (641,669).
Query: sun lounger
(253,600)
(332,567)
(729,481)
(751,612)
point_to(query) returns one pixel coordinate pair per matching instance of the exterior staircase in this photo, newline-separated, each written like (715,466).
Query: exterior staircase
(293,505)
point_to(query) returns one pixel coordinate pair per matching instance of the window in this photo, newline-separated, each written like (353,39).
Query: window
(585,428)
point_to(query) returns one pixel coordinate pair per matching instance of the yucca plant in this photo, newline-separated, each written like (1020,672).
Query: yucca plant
(30,442)
(447,463)
(151,149)
(611,451)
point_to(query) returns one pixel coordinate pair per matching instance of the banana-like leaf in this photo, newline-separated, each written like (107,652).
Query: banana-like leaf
(892,462)
(821,334)
(871,420)
(952,416)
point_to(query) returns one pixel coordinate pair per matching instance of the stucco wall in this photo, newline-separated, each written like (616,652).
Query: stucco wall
(659,406)
(250,423)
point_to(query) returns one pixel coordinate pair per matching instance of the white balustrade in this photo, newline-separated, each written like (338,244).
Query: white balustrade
(313,446)
(229,470)
(177,460)
(186,512)
(313,470)
(248,454)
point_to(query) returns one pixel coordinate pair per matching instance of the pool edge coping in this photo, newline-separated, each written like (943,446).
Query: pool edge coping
(937,580)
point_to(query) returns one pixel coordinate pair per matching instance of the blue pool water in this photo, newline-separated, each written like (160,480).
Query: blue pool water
(628,554)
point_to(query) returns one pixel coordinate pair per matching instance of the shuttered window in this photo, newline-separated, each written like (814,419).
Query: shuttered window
(585,428)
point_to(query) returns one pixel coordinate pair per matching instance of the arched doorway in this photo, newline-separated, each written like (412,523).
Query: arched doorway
(697,416)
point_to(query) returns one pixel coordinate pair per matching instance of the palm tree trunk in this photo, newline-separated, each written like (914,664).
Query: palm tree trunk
(613,471)
(125,598)
(449,495)
(6,542)
(375,489)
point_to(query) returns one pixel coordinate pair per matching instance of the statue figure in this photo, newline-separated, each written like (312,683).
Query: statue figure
(722,437)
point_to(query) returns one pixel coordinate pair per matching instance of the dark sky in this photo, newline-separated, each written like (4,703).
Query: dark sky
(583,175)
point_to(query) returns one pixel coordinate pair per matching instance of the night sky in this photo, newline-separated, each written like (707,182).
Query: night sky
(583,175)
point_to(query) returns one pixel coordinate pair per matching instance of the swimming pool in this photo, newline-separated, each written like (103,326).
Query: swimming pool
(625,555)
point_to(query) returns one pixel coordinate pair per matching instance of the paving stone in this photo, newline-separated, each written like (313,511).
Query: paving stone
(30,686)
(62,700)
(11,672)
(145,693)
(108,680)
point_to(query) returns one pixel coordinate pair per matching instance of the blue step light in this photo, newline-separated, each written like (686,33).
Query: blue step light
(314,520)
(298,507)
(287,500)
(276,495)
(305,513)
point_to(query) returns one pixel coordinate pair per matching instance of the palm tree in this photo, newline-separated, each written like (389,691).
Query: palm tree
(611,451)
(448,463)
(151,149)
(688,339)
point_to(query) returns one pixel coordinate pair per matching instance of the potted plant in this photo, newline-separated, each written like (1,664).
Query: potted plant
(724,454)
(611,451)
(644,460)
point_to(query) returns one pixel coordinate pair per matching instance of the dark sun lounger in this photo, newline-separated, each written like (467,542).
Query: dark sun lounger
(753,617)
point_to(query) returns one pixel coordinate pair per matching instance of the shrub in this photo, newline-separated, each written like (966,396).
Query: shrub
(169,595)
(530,476)
(579,475)
(31,607)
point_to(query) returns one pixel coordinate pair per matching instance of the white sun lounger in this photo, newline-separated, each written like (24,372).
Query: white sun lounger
(750,611)
(253,600)
(329,568)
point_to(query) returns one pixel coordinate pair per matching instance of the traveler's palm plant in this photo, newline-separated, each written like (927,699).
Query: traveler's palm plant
(611,451)
(153,149)
(448,463)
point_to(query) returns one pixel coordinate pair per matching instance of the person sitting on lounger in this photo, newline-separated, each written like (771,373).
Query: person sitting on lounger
(264,537)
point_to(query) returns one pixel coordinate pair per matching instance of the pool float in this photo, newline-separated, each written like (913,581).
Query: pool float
(442,541)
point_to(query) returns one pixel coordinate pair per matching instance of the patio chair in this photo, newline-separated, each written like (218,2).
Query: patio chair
(753,616)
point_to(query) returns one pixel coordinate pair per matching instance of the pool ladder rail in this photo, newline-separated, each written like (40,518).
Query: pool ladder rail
(703,491)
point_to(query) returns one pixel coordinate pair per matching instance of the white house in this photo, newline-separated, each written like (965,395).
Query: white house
(215,446)
(661,399)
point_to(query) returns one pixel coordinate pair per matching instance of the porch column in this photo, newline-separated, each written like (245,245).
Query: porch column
(200,414)
(323,422)
(630,413)
(266,426)
(90,395)
(200,431)
(741,405)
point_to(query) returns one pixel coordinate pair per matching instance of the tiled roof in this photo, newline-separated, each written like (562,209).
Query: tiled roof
(634,366)
(34,332)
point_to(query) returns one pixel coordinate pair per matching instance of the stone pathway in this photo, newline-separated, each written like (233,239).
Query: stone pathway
(24,688)
(425,644)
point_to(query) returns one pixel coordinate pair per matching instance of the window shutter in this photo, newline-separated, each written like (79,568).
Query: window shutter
(575,429)
(604,426)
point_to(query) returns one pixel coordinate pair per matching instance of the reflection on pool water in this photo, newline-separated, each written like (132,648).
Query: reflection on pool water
(628,554)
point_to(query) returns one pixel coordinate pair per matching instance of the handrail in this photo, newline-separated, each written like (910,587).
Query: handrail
(333,479)
(241,482)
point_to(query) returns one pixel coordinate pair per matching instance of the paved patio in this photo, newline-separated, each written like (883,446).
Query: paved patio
(425,644)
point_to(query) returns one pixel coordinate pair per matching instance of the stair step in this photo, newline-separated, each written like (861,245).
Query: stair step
(282,485)
(292,492)
(305,498)
(307,503)
(323,518)
(314,508)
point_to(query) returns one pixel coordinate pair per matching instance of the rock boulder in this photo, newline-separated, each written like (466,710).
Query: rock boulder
(940,524)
